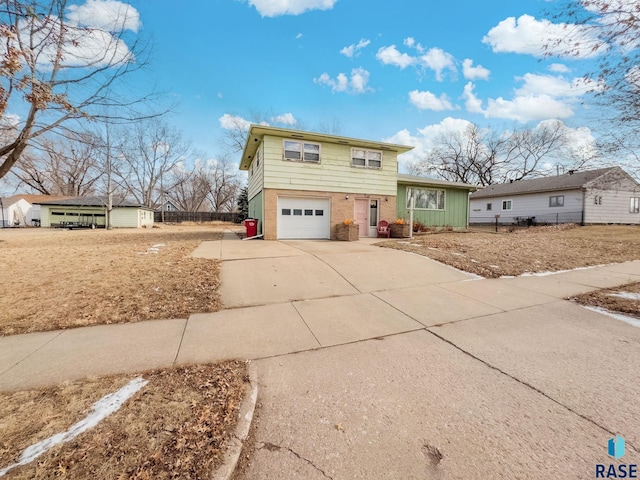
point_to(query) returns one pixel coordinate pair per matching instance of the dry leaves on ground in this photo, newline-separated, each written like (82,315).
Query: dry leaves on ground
(60,279)
(177,426)
(614,299)
(537,249)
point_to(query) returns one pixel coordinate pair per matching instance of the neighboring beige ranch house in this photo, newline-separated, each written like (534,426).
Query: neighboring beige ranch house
(93,211)
(302,184)
(606,195)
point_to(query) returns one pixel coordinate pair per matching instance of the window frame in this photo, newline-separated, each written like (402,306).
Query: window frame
(556,204)
(367,159)
(510,205)
(490,207)
(439,199)
(302,144)
(634,205)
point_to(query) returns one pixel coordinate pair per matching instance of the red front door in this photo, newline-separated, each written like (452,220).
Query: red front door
(362,216)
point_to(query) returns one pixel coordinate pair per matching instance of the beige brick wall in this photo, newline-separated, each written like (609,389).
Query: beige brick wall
(341,208)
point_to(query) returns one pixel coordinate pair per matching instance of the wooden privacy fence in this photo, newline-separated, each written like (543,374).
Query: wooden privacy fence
(179,217)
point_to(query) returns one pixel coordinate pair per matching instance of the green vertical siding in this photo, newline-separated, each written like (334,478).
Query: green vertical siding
(255,209)
(456,207)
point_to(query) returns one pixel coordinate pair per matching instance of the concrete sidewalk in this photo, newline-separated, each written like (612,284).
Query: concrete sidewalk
(309,295)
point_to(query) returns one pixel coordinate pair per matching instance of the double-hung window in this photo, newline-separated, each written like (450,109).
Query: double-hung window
(301,151)
(634,205)
(507,204)
(366,158)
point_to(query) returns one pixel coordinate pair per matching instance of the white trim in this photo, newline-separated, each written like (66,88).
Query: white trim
(510,205)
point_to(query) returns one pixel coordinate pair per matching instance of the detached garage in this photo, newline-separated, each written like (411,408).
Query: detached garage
(303,217)
(91,212)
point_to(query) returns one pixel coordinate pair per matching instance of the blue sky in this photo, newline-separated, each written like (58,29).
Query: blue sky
(399,71)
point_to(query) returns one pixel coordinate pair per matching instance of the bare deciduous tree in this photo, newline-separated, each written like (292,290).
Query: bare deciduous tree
(150,151)
(68,167)
(56,71)
(485,156)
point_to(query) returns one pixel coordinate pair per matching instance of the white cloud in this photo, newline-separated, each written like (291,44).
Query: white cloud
(472,103)
(285,119)
(428,101)
(232,122)
(438,60)
(424,141)
(391,56)
(274,8)
(554,86)
(526,108)
(474,73)
(220,95)
(109,15)
(299,36)
(559,68)
(411,43)
(357,83)
(354,49)
(540,37)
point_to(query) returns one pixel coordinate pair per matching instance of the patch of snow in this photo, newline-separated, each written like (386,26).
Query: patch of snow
(626,295)
(405,243)
(432,248)
(458,254)
(495,266)
(159,245)
(546,274)
(101,409)
(475,261)
(623,318)
(152,249)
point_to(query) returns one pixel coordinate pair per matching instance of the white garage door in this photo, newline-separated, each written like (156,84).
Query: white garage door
(303,218)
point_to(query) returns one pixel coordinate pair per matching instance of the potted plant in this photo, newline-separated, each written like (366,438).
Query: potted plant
(400,229)
(348,231)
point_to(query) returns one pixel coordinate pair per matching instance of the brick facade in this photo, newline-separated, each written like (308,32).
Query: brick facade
(341,208)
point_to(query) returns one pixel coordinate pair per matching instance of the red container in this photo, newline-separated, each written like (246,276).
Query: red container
(251,224)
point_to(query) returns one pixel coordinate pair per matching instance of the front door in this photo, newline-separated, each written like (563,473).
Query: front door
(362,216)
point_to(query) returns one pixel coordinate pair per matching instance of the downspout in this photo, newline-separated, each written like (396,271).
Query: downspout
(584,205)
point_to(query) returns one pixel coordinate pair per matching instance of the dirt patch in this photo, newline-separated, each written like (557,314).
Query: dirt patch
(177,426)
(624,299)
(63,279)
(533,250)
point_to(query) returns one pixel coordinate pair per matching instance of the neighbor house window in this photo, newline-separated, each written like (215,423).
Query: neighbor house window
(506,205)
(556,201)
(597,200)
(301,151)
(634,205)
(488,207)
(366,158)
(426,198)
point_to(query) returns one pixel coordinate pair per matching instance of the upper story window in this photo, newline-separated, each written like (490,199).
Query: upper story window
(556,201)
(301,151)
(366,158)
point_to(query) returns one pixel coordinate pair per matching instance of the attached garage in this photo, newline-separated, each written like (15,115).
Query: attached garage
(300,217)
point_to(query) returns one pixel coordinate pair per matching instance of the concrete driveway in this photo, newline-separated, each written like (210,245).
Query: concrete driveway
(422,371)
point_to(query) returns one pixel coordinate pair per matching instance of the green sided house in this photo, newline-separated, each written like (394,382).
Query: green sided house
(92,211)
(302,184)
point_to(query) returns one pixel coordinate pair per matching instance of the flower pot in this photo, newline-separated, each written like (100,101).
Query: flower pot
(347,233)
(399,230)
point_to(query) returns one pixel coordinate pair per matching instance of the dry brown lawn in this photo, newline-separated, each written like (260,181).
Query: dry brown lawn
(54,278)
(177,426)
(614,299)
(537,249)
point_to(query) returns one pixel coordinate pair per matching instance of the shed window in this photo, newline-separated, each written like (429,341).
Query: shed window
(556,201)
(489,207)
(301,151)
(426,198)
(507,204)
(597,200)
(634,205)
